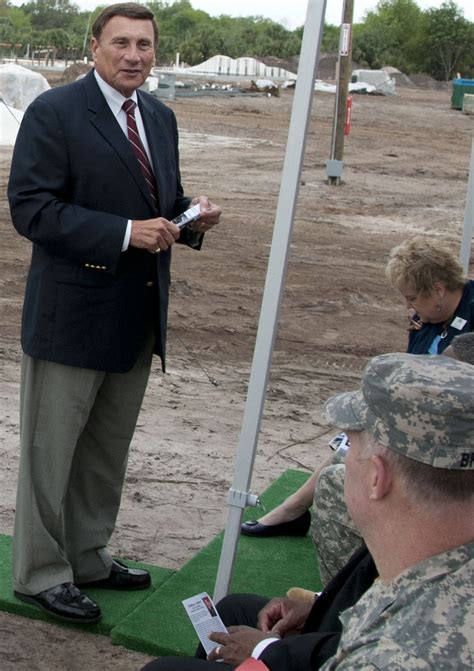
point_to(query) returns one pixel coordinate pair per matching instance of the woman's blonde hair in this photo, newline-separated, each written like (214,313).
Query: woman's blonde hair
(421,263)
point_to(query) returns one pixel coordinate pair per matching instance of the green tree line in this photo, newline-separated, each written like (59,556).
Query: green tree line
(439,42)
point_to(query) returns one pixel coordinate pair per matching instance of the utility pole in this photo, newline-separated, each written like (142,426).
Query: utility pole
(334,165)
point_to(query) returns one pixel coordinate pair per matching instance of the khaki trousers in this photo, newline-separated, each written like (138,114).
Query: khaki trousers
(76,427)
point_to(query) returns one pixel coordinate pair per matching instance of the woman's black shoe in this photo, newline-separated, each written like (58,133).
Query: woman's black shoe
(297,527)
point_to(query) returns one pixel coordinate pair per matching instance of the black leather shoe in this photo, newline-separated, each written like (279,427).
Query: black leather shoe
(64,602)
(297,527)
(122,577)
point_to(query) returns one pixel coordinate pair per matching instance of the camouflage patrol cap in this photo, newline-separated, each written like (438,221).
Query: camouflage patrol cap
(419,406)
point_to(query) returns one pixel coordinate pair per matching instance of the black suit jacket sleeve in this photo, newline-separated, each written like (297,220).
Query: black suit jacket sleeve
(320,637)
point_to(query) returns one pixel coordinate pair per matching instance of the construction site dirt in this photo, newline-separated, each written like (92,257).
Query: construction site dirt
(405,172)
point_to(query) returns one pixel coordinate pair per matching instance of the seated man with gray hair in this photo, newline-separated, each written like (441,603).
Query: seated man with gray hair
(334,534)
(462,348)
(409,488)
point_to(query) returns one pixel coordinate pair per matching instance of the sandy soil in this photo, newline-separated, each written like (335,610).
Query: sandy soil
(406,169)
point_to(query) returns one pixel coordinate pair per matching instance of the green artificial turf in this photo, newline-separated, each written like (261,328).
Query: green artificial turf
(115,606)
(153,620)
(266,566)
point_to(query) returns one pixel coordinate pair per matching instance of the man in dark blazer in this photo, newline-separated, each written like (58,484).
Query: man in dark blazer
(94,187)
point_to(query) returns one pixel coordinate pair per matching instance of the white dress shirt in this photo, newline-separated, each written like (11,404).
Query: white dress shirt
(115,100)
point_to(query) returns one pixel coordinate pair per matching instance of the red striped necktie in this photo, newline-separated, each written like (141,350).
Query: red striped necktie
(139,150)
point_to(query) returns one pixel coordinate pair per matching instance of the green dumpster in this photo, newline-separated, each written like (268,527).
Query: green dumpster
(460,87)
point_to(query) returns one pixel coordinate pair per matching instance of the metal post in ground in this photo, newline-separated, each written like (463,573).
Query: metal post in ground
(335,164)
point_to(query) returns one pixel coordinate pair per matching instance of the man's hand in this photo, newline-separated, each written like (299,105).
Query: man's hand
(236,646)
(155,235)
(284,617)
(210,214)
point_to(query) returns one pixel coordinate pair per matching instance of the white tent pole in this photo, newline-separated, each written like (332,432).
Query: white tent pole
(468,216)
(239,495)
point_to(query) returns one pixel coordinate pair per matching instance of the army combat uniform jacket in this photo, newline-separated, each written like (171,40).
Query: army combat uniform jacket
(423,619)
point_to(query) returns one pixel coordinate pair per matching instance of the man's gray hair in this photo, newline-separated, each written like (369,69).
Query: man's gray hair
(425,484)
(463,347)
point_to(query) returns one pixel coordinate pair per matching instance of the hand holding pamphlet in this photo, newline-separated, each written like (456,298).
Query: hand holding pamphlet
(205,618)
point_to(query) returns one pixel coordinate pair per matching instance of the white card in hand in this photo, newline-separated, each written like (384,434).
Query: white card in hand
(205,618)
(188,216)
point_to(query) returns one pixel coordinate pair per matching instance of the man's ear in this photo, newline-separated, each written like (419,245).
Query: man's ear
(380,478)
(93,47)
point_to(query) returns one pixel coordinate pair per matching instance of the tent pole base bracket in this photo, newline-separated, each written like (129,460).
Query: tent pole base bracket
(240,499)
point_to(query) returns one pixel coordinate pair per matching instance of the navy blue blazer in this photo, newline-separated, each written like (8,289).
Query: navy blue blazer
(74,184)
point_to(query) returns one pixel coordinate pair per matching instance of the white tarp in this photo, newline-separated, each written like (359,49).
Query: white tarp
(10,119)
(265,84)
(381,80)
(358,87)
(20,86)
(244,66)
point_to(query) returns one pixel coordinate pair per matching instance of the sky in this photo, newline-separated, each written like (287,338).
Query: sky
(292,14)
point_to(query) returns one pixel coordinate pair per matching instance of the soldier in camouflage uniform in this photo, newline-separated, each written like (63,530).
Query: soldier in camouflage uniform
(410,489)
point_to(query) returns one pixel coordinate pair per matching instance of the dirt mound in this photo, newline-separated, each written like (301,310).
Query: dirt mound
(290,64)
(327,66)
(424,81)
(401,79)
(74,71)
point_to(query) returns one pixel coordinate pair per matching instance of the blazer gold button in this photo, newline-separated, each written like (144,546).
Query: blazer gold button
(149,284)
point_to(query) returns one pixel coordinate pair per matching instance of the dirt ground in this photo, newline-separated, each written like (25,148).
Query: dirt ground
(405,172)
